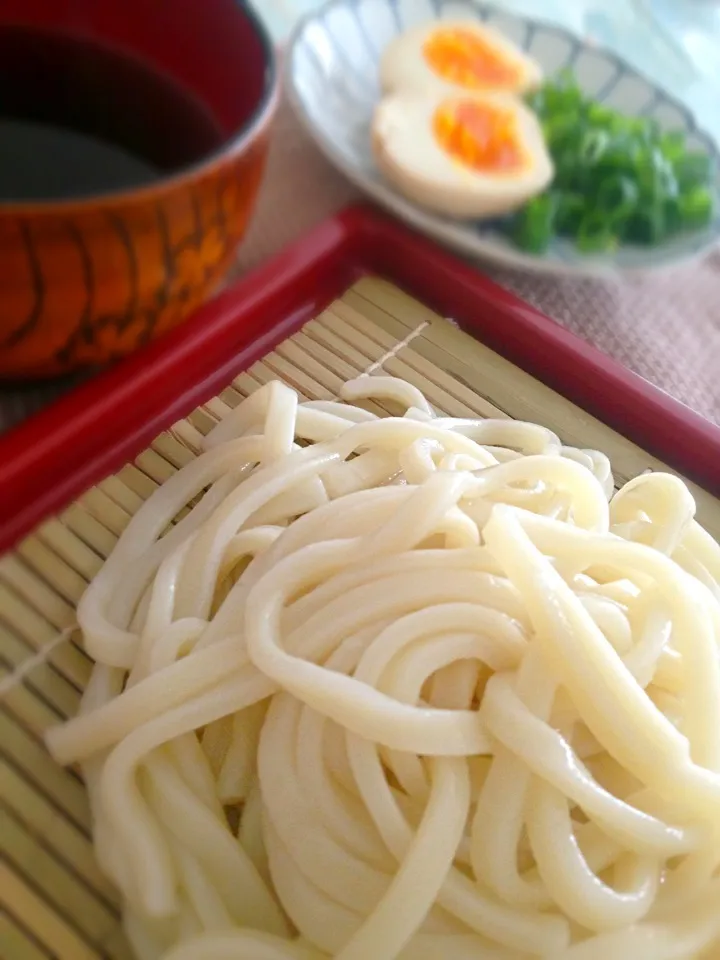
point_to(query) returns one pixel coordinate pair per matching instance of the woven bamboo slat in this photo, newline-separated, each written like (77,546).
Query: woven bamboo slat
(54,902)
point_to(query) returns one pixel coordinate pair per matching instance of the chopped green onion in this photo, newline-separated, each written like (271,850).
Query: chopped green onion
(647,226)
(673,217)
(598,115)
(672,145)
(570,211)
(558,96)
(593,145)
(533,226)
(693,169)
(655,176)
(696,208)
(617,178)
(560,130)
(596,234)
(618,197)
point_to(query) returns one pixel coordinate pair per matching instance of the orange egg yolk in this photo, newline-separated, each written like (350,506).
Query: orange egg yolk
(465,58)
(479,136)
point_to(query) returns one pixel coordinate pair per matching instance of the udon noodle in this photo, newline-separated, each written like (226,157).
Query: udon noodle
(372,687)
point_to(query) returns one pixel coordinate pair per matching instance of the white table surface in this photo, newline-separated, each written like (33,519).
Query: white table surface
(676,42)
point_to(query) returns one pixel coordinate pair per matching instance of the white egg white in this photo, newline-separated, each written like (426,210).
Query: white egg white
(403,65)
(411,157)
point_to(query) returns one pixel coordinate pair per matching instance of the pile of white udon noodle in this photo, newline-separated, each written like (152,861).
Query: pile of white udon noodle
(405,687)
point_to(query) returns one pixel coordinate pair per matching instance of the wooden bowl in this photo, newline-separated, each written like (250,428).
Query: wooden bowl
(85,281)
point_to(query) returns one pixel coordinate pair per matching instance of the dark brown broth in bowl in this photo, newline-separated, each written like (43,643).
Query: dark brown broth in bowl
(79,118)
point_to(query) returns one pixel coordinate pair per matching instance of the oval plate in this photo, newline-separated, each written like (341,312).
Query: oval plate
(332,80)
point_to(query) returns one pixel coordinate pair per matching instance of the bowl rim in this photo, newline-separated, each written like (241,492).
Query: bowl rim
(486,248)
(252,128)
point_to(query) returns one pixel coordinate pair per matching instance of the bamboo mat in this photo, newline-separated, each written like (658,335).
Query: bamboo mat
(54,903)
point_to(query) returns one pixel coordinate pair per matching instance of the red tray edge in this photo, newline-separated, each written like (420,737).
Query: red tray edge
(56,455)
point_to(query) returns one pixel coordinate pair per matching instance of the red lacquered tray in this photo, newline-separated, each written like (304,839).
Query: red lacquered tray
(56,455)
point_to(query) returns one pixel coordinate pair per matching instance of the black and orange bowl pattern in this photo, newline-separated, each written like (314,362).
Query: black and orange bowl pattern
(79,288)
(85,282)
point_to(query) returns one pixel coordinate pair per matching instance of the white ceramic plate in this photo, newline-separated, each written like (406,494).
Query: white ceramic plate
(332,79)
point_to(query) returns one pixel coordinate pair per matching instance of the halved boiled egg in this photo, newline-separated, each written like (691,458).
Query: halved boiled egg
(454,56)
(471,156)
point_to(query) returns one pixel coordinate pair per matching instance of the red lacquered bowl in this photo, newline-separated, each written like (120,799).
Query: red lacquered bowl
(85,281)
